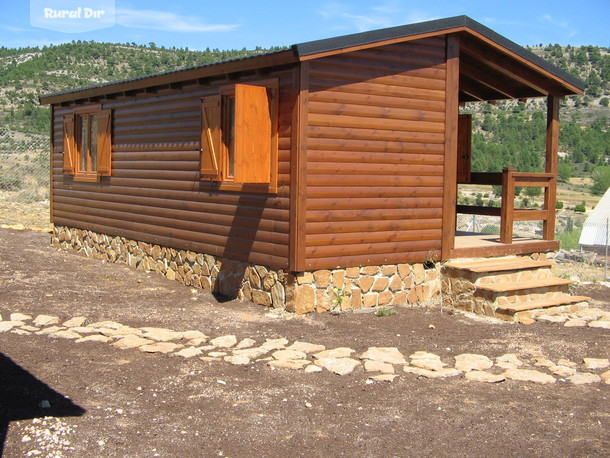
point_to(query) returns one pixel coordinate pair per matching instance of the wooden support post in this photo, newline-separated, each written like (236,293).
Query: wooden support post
(552,149)
(298,170)
(508,205)
(451,137)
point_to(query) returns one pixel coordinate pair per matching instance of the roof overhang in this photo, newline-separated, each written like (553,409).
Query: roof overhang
(491,66)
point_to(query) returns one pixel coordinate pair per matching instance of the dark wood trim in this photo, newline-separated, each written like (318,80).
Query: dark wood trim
(451,131)
(52,149)
(552,149)
(298,171)
(270,60)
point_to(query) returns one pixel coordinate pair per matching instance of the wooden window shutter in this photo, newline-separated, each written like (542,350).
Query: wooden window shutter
(104,142)
(253,132)
(210,138)
(69,145)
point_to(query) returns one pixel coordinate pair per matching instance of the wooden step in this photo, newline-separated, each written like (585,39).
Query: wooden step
(499,265)
(543,303)
(524,285)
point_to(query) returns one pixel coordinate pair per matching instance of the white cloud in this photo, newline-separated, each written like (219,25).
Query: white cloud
(386,14)
(169,22)
(564,25)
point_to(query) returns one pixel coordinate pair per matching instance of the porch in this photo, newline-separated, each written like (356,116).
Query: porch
(474,244)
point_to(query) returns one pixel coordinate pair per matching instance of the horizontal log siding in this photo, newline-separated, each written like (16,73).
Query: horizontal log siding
(155,195)
(376,124)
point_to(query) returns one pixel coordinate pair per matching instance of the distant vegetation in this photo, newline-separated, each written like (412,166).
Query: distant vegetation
(505,134)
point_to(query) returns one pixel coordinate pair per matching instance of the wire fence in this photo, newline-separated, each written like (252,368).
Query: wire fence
(24,179)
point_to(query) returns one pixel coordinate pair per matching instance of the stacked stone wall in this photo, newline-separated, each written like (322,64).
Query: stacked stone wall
(322,290)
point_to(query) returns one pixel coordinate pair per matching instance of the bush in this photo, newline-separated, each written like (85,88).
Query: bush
(558,205)
(580,208)
(533,191)
(568,240)
(10,183)
(479,201)
(491,229)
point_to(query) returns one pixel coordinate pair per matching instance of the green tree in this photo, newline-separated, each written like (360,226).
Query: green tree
(601,180)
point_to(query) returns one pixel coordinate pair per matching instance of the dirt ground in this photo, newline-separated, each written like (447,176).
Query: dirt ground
(109,402)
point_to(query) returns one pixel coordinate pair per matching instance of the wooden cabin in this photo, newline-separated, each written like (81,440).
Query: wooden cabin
(317,177)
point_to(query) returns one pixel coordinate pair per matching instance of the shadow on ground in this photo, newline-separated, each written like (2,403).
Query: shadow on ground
(24,397)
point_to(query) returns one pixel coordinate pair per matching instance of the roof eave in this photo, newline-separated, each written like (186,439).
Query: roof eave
(159,79)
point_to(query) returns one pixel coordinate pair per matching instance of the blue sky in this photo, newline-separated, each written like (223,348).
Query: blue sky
(198,24)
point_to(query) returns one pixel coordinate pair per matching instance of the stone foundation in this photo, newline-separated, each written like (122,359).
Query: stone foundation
(322,290)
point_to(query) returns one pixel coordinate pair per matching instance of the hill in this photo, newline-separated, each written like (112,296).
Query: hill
(506,133)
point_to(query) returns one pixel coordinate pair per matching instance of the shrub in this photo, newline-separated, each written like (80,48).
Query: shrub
(558,205)
(491,229)
(580,208)
(10,183)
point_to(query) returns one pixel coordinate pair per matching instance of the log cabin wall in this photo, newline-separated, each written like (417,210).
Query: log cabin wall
(154,193)
(375,155)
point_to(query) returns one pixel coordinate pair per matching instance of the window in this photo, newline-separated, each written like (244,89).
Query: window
(239,136)
(87,143)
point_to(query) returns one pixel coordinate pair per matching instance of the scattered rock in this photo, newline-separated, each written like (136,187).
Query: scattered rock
(123,332)
(584,378)
(19,331)
(45,320)
(340,352)
(566,362)
(575,323)
(190,335)
(306,347)
(510,358)
(275,344)
(469,362)
(161,334)
(606,377)
(65,334)
(596,363)
(528,375)
(284,355)
(50,330)
(552,318)
(160,347)
(383,377)
(384,355)
(94,338)
(251,353)
(429,364)
(340,366)
(107,324)
(196,342)
(189,352)
(290,364)
(313,368)
(237,360)
(217,354)
(26,327)
(6,326)
(484,376)
(246,343)
(603,324)
(441,373)
(562,371)
(378,366)
(424,355)
(19,317)
(76,321)
(84,329)
(543,362)
(131,342)
(224,341)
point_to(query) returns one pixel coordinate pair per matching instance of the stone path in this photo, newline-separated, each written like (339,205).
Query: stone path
(588,317)
(378,363)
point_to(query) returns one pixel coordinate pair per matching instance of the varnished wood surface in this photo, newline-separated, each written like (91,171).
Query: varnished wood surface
(154,193)
(376,144)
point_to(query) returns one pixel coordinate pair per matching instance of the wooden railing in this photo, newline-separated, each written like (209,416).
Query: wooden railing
(509,179)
